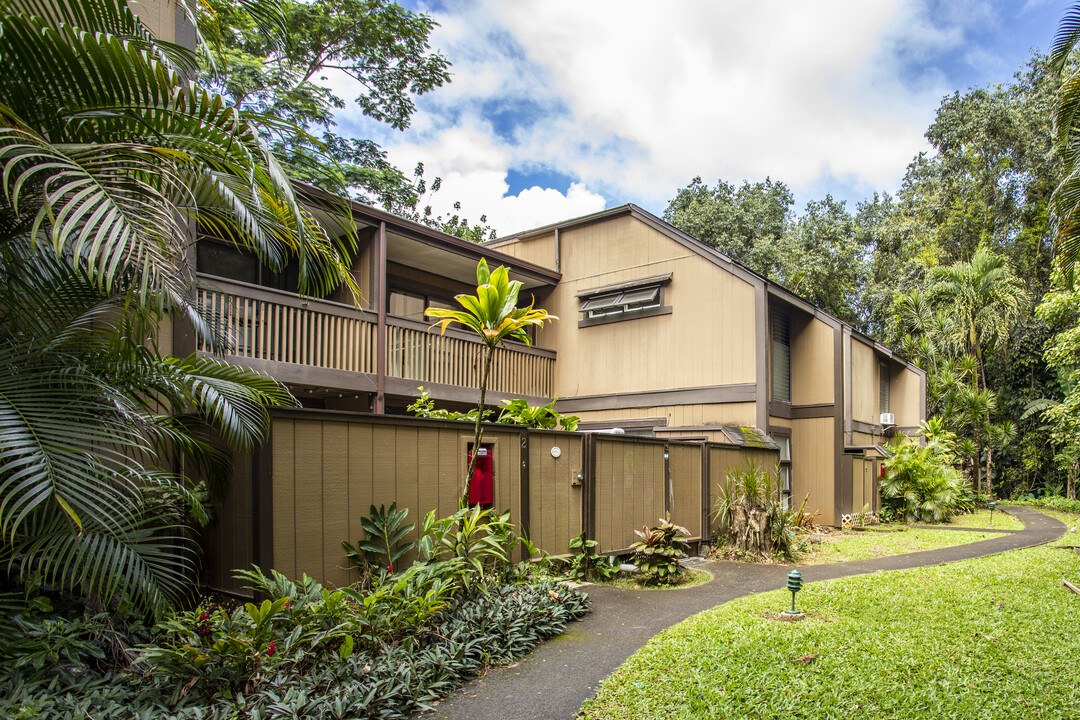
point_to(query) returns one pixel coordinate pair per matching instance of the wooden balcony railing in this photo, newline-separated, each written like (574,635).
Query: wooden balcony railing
(275,326)
(264,324)
(414,352)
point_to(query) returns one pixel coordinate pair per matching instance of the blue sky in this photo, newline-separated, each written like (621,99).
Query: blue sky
(557,109)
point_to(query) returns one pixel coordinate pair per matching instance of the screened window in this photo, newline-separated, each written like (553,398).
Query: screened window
(883,387)
(621,302)
(781,357)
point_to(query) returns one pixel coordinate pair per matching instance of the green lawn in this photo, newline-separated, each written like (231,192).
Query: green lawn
(882,541)
(988,638)
(981,519)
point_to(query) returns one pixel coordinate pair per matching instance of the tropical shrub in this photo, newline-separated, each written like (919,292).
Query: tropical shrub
(385,543)
(587,563)
(294,655)
(659,550)
(517,411)
(920,483)
(750,515)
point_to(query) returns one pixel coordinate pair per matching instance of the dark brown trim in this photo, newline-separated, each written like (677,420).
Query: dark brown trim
(558,251)
(865,427)
(763,348)
(668,489)
(585,426)
(714,394)
(779,409)
(262,503)
(779,431)
(588,509)
(429,236)
(621,317)
(806,412)
(706,530)
(523,488)
(838,411)
(380,340)
(849,413)
(627,285)
(403,387)
(306,375)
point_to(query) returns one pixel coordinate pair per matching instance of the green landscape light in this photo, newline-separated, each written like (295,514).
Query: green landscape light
(794,584)
(992,506)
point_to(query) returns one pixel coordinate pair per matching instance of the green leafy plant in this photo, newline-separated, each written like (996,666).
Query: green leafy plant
(587,563)
(385,543)
(493,315)
(518,411)
(481,539)
(659,550)
(921,484)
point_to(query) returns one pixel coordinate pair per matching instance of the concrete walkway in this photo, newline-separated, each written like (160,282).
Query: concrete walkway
(557,677)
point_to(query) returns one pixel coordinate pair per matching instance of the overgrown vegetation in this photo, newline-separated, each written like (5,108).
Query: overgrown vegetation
(517,411)
(921,484)
(384,649)
(750,516)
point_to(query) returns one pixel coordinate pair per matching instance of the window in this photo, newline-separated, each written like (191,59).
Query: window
(622,302)
(411,306)
(785,468)
(781,356)
(883,387)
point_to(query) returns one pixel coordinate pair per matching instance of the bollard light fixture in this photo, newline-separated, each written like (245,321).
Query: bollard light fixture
(992,506)
(794,584)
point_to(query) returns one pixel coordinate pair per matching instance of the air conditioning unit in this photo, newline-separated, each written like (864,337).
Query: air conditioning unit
(888,419)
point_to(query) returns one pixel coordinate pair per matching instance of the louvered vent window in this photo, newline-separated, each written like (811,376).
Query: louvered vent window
(883,387)
(781,357)
(626,301)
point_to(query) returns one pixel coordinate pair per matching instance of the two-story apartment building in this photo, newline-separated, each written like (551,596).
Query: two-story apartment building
(659,335)
(665,336)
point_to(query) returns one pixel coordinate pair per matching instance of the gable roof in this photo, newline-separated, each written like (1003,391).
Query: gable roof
(711,254)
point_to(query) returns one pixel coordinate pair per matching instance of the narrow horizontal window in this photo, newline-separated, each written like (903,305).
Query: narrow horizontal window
(622,302)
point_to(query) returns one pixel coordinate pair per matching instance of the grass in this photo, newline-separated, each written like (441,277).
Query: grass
(981,519)
(988,638)
(883,541)
(689,578)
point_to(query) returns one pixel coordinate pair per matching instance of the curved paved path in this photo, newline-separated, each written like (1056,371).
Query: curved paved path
(557,677)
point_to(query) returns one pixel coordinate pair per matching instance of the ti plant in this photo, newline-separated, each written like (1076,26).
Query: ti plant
(658,552)
(386,532)
(588,563)
(492,313)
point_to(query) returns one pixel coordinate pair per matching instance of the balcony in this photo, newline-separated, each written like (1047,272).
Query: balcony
(314,342)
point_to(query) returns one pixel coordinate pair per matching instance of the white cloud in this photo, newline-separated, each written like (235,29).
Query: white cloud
(631,99)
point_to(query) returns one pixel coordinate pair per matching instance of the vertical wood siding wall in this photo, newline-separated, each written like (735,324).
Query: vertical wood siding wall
(555,493)
(291,507)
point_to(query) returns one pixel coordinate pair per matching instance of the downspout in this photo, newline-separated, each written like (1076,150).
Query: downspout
(381,298)
(558,251)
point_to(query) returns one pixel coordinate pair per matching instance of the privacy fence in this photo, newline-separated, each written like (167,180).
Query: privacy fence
(291,504)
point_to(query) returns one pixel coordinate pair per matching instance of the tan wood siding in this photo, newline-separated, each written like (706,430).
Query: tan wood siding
(813,466)
(554,498)
(228,538)
(680,415)
(864,383)
(813,362)
(328,474)
(538,249)
(668,351)
(685,464)
(629,490)
(906,396)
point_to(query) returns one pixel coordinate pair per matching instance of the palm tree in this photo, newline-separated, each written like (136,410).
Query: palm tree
(1065,201)
(985,299)
(494,316)
(109,160)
